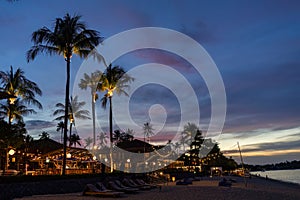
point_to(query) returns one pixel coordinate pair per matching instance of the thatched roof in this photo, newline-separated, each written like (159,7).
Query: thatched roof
(136,146)
(43,146)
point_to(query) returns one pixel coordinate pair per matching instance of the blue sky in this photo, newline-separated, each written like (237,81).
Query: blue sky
(255,45)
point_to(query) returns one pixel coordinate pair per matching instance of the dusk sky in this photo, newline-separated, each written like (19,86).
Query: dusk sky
(254,44)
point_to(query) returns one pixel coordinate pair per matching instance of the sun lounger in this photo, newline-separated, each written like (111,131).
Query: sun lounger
(122,185)
(120,188)
(91,190)
(102,187)
(131,183)
(232,180)
(225,183)
(181,182)
(185,181)
(142,182)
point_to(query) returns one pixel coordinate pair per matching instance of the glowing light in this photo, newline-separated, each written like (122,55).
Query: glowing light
(11,152)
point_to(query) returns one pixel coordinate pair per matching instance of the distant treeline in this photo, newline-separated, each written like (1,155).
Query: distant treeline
(278,166)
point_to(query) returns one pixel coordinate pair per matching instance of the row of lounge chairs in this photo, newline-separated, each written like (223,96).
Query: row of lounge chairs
(189,181)
(116,188)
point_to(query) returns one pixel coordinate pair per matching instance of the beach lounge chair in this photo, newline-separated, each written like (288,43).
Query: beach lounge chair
(225,183)
(102,187)
(92,190)
(121,188)
(142,182)
(131,183)
(181,182)
(185,181)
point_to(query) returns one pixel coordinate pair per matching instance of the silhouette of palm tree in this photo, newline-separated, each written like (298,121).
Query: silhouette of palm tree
(74,139)
(189,132)
(44,135)
(92,82)
(113,79)
(148,131)
(102,137)
(74,111)
(18,87)
(88,141)
(70,36)
(15,111)
(60,127)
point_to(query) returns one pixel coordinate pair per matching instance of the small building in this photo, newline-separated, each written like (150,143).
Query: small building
(216,171)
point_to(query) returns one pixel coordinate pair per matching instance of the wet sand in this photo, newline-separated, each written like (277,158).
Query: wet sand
(256,189)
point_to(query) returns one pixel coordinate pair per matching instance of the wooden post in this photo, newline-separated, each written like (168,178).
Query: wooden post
(242,164)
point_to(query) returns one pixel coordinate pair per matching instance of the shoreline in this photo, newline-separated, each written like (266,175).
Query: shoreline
(265,174)
(277,180)
(207,188)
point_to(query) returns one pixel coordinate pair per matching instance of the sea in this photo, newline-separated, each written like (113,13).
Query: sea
(292,175)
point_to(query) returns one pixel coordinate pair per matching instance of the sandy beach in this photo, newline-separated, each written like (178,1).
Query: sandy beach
(257,188)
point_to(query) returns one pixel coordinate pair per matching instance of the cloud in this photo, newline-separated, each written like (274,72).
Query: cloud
(39,124)
(162,57)
(272,146)
(263,97)
(199,31)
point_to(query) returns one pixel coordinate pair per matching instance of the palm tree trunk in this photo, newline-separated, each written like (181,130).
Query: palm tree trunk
(70,134)
(61,135)
(68,59)
(111,134)
(10,132)
(94,124)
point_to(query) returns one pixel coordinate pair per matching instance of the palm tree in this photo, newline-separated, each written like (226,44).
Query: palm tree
(74,139)
(117,136)
(189,131)
(148,131)
(17,85)
(5,95)
(92,82)
(21,91)
(74,111)
(113,79)
(88,141)
(44,135)
(60,127)
(15,111)
(102,137)
(177,147)
(70,36)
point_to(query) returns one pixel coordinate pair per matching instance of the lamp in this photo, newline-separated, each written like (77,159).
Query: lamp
(11,152)
(69,155)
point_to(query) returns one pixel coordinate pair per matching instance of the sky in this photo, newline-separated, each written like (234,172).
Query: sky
(255,46)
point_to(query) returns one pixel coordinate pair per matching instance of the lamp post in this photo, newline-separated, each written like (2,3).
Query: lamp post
(8,153)
(71,124)
(128,164)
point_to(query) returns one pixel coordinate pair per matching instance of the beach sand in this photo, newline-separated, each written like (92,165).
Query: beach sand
(256,189)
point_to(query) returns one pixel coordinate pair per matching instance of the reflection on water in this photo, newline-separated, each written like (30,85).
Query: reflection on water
(283,175)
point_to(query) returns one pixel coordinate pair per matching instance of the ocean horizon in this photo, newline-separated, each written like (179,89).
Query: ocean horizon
(289,175)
